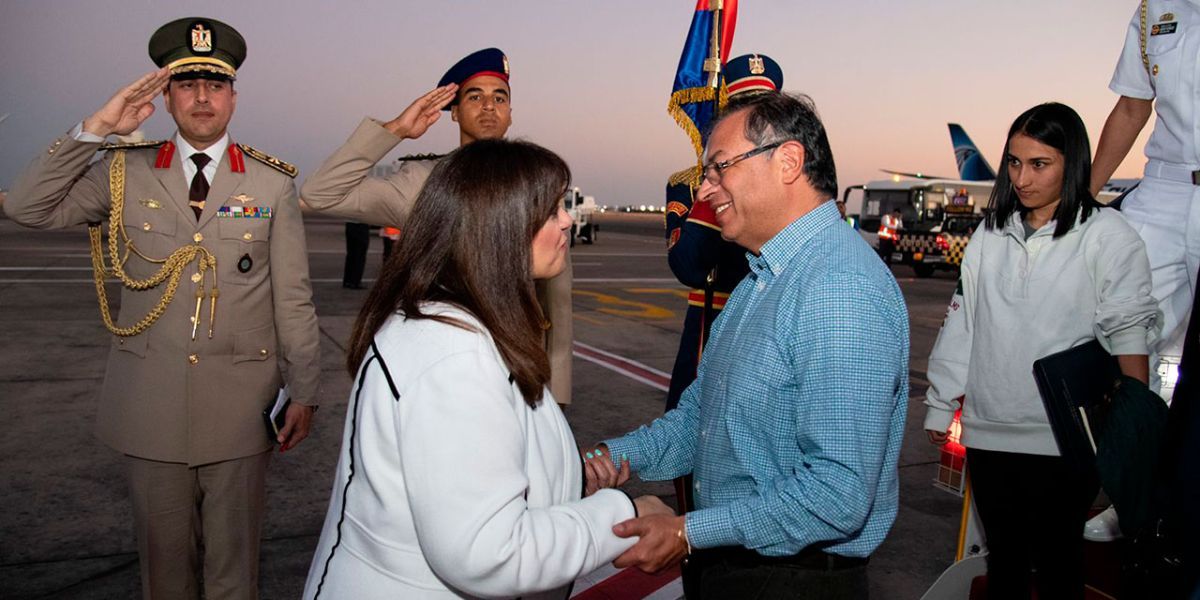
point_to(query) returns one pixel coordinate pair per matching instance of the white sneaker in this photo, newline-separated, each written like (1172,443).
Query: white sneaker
(1103,527)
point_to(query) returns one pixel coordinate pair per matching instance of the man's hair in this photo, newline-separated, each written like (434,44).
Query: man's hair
(468,243)
(779,117)
(1058,126)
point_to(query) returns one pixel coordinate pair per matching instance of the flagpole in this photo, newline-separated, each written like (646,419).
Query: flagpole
(714,60)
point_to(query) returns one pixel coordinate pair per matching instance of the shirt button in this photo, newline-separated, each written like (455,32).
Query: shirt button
(697,486)
(247,236)
(198,238)
(262,352)
(146,227)
(192,358)
(196,277)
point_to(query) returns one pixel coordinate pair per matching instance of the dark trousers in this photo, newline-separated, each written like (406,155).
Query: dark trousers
(739,573)
(358,240)
(1033,509)
(388,244)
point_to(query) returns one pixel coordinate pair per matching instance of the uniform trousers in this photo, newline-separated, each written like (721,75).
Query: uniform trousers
(358,242)
(1032,508)
(177,509)
(1165,211)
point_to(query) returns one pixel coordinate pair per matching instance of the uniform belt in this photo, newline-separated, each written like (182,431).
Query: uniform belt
(810,558)
(1172,172)
(696,298)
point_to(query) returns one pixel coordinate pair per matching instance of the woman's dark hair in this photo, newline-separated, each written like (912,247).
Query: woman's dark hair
(467,243)
(1058,126)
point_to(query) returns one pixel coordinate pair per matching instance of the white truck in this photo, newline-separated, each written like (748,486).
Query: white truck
(582,209)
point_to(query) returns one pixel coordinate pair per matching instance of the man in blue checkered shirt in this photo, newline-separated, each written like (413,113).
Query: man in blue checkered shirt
(793,425)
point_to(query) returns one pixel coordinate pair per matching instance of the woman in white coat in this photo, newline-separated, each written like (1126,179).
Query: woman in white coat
(458,475)
(1051,269)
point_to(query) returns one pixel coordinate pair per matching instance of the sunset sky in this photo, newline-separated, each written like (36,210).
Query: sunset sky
(590,79)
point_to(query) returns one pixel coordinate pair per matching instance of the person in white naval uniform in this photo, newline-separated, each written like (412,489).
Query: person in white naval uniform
(1159,71)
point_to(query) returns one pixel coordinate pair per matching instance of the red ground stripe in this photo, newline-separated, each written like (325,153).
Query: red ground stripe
(629,583)
(623,364)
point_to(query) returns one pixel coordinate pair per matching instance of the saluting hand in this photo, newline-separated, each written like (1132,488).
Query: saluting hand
(422,113)
(128,108)
(295,426)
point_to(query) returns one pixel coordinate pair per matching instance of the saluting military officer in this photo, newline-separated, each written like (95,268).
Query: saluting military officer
(205,338)
(476,92)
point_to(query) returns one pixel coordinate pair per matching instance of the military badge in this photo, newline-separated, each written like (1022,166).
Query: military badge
(244,264)
(243,198)
(1164,28)
(202,42)
(150,203)
(505,60)
(756,65)
(1166,17)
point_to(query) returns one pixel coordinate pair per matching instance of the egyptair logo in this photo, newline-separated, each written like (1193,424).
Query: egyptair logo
(962,154)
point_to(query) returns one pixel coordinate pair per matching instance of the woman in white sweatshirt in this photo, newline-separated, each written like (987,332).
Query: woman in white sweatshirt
(1049,270)
(458,475)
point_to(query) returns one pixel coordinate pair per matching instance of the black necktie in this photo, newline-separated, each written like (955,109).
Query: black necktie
(199,190)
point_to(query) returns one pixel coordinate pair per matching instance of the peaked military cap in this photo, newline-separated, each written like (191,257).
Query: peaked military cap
(198,47)
(489,61)
(752,73)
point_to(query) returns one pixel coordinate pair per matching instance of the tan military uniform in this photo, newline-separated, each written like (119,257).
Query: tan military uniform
(168,397)
(341,187)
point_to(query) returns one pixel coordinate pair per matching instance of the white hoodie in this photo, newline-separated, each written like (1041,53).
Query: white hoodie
(1019,300)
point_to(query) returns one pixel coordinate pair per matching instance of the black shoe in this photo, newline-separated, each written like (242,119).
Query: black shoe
(353,286)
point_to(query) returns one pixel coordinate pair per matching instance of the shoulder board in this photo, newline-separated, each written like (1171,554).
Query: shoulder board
(132,145)
(690,176)
(428,156)
(266,159)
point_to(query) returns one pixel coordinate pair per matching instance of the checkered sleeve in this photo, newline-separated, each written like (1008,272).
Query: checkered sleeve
(666,447)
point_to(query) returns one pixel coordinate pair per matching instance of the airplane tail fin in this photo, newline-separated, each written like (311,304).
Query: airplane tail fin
(972,166)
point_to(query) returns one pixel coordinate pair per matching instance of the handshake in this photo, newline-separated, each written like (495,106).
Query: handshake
(662,536)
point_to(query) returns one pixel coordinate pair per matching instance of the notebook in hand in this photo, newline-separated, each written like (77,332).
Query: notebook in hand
(275,413)
(1074,385)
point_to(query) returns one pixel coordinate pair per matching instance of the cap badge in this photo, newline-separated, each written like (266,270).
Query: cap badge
(201,38)
(505,58)
(756,65)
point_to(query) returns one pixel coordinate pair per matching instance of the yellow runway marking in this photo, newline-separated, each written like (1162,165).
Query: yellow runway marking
(588,319)
(668,291)
(635,309)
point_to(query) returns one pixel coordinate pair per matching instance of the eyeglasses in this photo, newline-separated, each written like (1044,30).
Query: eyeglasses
(714,171)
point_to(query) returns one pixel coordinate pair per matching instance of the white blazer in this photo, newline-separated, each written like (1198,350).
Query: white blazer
(456,488)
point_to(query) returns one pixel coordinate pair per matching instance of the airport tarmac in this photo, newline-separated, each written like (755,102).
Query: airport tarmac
(65,527)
